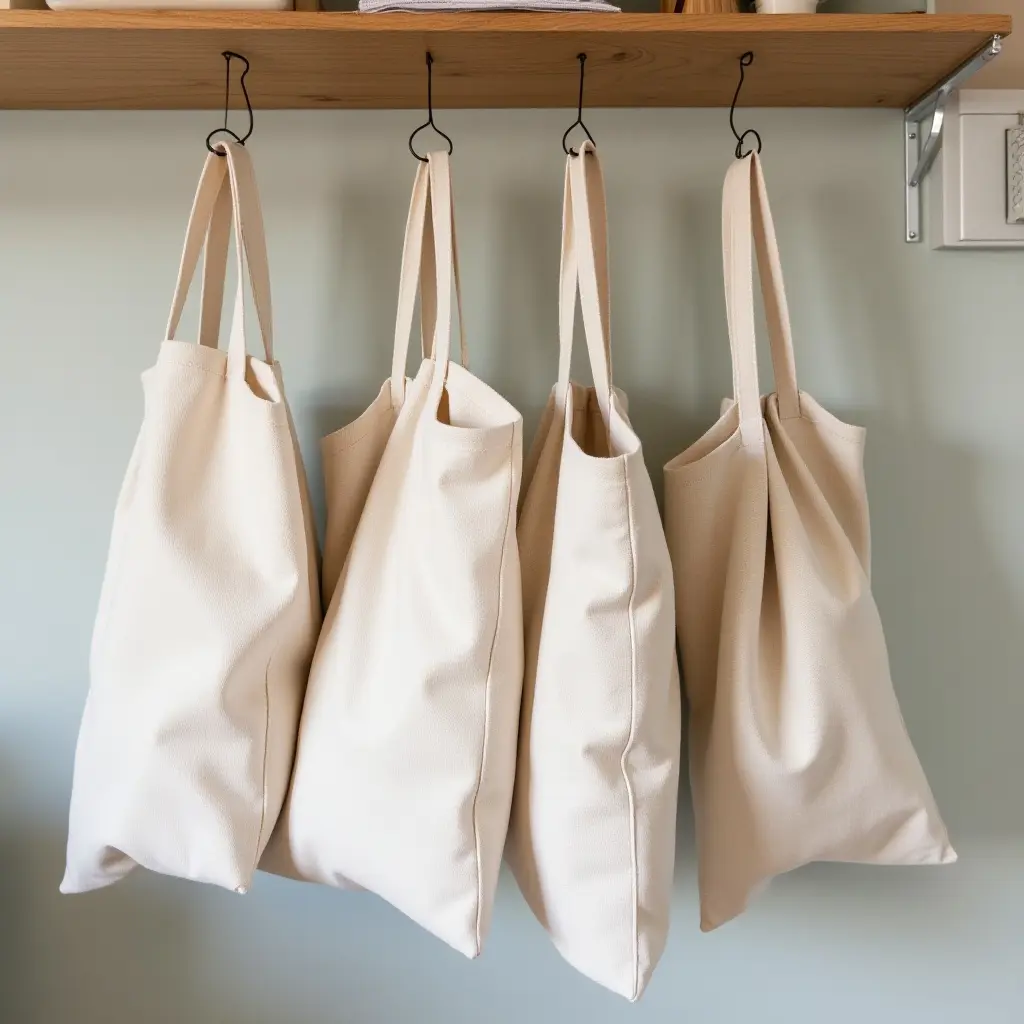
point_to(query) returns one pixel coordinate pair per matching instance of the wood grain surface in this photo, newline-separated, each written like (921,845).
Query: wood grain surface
(171,60)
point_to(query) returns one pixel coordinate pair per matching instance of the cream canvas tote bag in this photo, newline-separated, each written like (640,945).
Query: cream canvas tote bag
(352,454)
(406,756)
(592,839)
(798,751)
(209,609)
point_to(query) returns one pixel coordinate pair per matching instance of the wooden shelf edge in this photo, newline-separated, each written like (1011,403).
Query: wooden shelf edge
(510,22)
(95,60)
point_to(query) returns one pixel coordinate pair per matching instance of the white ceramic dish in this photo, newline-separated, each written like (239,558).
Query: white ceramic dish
(787,6)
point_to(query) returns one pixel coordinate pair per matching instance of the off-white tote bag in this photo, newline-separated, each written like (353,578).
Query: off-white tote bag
(209,609)
(352,454)
(406,757)
(797,747)
(592,840)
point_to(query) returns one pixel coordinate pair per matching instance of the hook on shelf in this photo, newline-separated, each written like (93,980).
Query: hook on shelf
(578,123)
(745,61)
(228,55)
(429,123)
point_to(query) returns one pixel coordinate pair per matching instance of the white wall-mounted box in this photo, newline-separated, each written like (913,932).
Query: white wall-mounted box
(968,191)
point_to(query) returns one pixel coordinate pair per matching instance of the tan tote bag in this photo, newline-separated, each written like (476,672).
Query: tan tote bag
(209,609)
(798,750)
(592,840)
(406,757)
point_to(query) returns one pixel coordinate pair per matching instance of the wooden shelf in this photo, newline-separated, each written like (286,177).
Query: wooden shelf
(171,60)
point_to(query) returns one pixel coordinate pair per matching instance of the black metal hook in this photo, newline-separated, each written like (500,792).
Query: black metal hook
(429,123)
(227,55)
(745,61)
(582,58)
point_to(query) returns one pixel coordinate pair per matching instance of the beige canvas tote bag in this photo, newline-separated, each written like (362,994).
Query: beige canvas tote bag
(798,750)
(352,454)
(592,839)
(209,609)
(406,757)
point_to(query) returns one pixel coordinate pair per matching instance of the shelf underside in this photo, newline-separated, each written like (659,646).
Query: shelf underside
(116,60)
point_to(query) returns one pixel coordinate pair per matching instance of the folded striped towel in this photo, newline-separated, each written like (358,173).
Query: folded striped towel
(592,6)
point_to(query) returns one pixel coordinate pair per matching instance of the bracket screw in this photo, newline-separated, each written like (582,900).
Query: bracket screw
(913,234)
(913,135)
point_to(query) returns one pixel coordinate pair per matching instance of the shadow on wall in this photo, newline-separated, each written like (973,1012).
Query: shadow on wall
(952,617)
(143,950)
(155,950)
(362,255)
(954,630)
(673,406)
(133,953)
(523,331)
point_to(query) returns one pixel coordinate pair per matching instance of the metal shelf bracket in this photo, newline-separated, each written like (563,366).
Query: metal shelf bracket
(920,156)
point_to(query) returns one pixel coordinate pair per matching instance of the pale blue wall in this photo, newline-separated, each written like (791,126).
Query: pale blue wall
(923,347)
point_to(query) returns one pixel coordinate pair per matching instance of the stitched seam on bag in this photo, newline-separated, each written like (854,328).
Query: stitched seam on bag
(632,730)
(333,450)
(190,364)
(269,402)
(468,442)
(849,432)
(202,369)
(684,481)
(487,697)
(266,746)
(465,444)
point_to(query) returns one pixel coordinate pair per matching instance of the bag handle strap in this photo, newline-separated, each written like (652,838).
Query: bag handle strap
(215,255)
(773,291)
(568,271)
(431,188)
(200,223)
(232,174)
(584,264)
(250,254)
(428,289)
(746,218)
(443,217)
(412,255)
